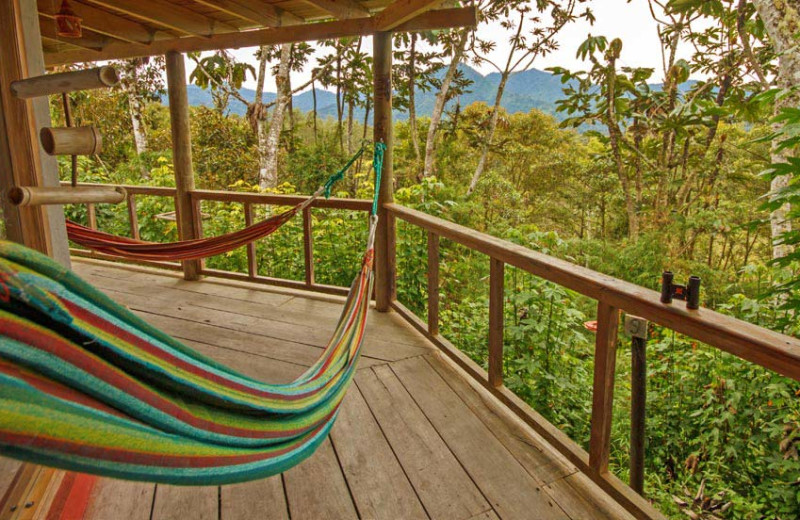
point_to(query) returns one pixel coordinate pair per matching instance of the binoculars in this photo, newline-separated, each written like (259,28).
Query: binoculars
(689,292)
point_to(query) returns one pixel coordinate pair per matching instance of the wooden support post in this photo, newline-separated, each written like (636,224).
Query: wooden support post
(22,163)
(252,264)
(182,156)
(385,270)
(91,215)
(605,358)
(496,289)
(636,327)
(133,218)
(433,284)
(308,247)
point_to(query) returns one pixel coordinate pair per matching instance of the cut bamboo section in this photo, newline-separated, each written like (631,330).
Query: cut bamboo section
(31,196)
(100,77)
(78,140)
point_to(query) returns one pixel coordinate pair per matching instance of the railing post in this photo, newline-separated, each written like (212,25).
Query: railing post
(308,247)
(91,215)
(637,328)
(385,238)
(133,218)
(252,266)
(433,284)
(496,289)
(605,357)
(182,156)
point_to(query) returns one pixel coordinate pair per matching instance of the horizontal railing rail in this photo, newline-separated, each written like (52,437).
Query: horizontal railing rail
(761,346)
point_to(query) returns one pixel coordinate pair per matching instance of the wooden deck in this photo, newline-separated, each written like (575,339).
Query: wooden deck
(415,437)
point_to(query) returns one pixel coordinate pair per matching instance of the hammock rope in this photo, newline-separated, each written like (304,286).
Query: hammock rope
(195,249)
(86,385)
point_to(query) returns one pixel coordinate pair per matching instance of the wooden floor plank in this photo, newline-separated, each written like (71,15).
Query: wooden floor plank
(248,302)
(261,499)
(184,502)
(533,452)
(511,490)
(376,480)
(8,469)
(316,488)
(442,484)
(583,500)
(120,499)
(312,331)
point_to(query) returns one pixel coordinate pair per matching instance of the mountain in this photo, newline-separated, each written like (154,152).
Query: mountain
(524,91)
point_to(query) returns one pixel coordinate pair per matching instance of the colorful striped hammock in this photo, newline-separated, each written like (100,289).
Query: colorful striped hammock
(134,249)
(86,385)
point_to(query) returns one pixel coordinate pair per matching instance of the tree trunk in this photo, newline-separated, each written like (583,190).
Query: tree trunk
(268,176)
(487,140)
(782,21)
(412,105)
(441,100)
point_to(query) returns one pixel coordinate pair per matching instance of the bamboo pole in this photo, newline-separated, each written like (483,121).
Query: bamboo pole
(24,196)
(182,156)
(77,140)
(62,82)
(385,271)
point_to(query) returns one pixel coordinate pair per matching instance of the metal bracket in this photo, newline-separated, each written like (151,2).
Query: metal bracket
(635,326)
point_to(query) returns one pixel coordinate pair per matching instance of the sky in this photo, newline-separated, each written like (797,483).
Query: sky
(629,20)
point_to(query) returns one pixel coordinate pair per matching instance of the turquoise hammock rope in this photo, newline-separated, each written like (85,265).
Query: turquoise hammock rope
(86,385)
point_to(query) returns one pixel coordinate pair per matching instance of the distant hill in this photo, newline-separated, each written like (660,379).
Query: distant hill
(524,91)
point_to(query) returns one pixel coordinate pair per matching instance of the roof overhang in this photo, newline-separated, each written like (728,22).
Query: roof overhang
(120,29)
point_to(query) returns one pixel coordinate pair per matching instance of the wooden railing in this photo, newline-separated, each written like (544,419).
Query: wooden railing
(248,200)
(766,348)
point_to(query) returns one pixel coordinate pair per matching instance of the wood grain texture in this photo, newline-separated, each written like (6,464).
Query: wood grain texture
(444,488)
(263,499)
(183,502)
(512,491)
(182,156)
(120,499)
(316,488)
(605,358)
(377,482)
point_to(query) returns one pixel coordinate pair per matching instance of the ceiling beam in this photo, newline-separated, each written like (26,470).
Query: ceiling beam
(166,14)
(88,39)
(102,22)
(403,10)
(284,16)
(260,17)
(341,9)
(440,19)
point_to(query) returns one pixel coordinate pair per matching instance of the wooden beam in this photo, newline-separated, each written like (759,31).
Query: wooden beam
(496,289)
(284,17)
(182,156)
(385,270)
(21,161)
(605,360)
(446,18)
(260,17)
(88,40)
(341,9)
(102,22)
(167,14)
(402,11)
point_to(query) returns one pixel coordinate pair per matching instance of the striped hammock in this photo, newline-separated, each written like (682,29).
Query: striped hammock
(87,386)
